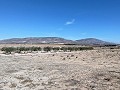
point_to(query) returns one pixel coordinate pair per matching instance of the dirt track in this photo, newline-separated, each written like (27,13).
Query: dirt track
(83,70)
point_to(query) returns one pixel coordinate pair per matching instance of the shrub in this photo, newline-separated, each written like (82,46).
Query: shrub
(19,49)
(64,49)
(35,49)
(39,48)
(71,49)
(56,49)
(8,49)
(3,49)
(47,49)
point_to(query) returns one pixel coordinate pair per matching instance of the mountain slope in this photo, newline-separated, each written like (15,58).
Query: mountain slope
(36,40)
(93,41)
(54,40)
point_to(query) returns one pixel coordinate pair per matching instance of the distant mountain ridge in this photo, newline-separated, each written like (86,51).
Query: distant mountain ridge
(53,40)
(36,40)
(93,41)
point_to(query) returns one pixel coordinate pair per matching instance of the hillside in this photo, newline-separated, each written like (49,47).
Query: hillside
(54,40)
(36,40)
(93,41)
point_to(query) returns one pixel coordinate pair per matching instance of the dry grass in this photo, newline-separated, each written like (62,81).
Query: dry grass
(81,70)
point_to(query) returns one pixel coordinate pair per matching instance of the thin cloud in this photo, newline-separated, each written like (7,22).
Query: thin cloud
(70,22)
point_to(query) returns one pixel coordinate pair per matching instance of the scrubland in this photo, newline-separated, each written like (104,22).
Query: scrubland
(97,69)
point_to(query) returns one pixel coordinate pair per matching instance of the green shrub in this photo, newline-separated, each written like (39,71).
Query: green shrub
(8,49)
(35,48)
(71,48)
(39,48)
(76,48)
(64,49)
(19,49)
(56,49)
(47,49)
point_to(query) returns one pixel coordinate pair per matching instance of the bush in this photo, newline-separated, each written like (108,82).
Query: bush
(76,48)
(47,49)
(8,49)
(19,49)
(64,49)
(56,49)
(35,48)
(71,49)
(39,48)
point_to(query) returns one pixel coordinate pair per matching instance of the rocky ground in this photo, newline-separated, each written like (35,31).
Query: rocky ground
(83,70)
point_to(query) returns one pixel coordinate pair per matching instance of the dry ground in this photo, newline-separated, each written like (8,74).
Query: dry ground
(37,45)
(83,70)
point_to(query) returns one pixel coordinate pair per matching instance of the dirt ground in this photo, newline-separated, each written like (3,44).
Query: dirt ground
(82,70)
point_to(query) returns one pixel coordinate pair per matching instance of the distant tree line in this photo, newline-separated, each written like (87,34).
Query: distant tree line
(9,50)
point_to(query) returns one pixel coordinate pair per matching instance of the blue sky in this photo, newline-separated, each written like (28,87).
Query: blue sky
(70,19)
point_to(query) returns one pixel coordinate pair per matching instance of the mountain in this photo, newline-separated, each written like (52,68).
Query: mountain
(54,40)
(93,41)
(36,40)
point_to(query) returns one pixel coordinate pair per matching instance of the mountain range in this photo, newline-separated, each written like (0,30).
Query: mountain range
(54,40)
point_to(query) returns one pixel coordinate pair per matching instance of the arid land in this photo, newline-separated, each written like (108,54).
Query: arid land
(97,69)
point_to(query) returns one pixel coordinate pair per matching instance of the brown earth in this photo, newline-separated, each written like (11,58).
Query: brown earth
(83,70)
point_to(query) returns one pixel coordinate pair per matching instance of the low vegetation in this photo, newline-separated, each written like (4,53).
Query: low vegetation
(9,50)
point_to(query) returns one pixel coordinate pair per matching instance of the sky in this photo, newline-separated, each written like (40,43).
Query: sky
(70,19)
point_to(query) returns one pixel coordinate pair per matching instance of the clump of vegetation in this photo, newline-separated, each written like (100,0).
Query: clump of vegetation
(9,50)
(76,48)
(35,48)
(64,49)
(55,49)
(47,49)
(84,48)
(71,48)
